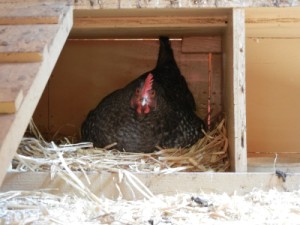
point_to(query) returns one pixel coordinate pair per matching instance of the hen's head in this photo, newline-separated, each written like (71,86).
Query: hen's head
(144,98)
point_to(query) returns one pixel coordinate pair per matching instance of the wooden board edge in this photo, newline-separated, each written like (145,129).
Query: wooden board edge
(12,104)
(19,57)
(121,4)
(234,90)
(29,20)
(110,184)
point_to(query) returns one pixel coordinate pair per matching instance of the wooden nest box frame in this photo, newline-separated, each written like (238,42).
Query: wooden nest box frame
(32,41)
(113,47)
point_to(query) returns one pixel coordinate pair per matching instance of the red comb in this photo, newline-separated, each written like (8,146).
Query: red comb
(148,84)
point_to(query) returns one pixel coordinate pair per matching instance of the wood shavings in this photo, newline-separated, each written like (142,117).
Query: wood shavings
(256,207)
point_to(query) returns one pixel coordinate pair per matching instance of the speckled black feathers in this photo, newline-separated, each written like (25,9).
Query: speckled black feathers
(173,123)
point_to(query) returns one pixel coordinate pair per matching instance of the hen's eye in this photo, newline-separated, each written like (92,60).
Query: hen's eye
(137,91)
(152,93)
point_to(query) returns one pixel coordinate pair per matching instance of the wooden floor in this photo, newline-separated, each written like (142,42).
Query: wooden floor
(32,35)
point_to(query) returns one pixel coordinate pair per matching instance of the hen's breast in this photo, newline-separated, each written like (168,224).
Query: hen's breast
(114,120)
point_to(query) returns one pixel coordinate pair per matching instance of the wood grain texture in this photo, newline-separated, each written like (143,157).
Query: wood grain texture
(10,99)
(273,89)
(31,13)
(121,4)
(105,183)
(32,77)
(288,163)
(148,23)
(151,25)
(273,22)
(202,44)
(25,43)
(235,90)
(161,21)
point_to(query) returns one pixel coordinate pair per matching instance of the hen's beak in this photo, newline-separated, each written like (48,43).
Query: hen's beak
(144,101)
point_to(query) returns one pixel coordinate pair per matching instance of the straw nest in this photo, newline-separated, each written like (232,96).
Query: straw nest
(208,154)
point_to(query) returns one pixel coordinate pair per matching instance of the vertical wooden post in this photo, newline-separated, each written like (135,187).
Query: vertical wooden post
(235,89)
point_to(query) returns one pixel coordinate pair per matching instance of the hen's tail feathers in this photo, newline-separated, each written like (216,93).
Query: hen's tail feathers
(165,56)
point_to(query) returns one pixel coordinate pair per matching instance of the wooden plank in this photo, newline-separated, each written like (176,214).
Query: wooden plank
(274,30)
(10,99)
(289,163)
(25,43)
(108,184)
(273,22)
(271,14)
(272,76)
(217,100)
(31,13)
(273,88)
(32,1)
(33,78)
(202,44)
(148,23)
(121,4)
(150,12)
(142,33)
(162,4)
(234,90)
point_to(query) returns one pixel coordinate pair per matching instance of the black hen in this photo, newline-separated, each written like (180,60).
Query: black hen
(156,109)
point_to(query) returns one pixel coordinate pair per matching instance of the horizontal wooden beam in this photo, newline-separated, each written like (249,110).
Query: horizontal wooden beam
(100,26)
(121,4)
(108,184)
(288,162)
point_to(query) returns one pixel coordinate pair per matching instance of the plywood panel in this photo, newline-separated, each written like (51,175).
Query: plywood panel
(25,43)
(273,95)
(117,4)
(202,44)
(10,99)
(91,69)
(31,13)
(273,22)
